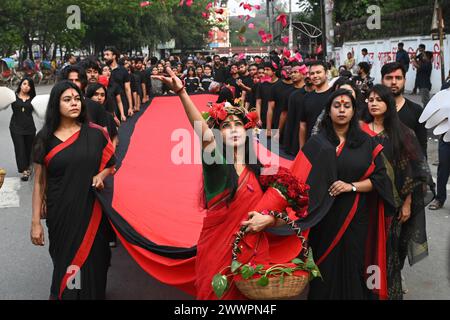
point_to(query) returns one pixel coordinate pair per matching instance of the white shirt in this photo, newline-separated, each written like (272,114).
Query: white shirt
(366,58)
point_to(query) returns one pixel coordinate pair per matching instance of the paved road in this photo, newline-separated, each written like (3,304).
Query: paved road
(26,270)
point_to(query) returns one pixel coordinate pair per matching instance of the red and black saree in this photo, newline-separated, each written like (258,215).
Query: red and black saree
(76,226)
(409,176)
(346,237)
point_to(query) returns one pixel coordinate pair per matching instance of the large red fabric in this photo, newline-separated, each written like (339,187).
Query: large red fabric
(157,196)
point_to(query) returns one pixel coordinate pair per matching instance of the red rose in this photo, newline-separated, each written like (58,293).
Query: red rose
(218,112)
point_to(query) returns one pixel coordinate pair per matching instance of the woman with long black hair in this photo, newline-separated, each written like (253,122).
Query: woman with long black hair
(344,168)
(98,93)
(231,191)
(408,170)
(72,158)
(22,127)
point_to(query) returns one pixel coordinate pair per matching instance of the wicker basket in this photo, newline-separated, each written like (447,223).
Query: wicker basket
(2,177)
(292,286)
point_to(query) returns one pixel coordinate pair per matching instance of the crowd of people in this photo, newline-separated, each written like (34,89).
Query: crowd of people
(362,146)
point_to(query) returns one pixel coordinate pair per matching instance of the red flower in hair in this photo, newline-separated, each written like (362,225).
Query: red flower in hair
(218,112)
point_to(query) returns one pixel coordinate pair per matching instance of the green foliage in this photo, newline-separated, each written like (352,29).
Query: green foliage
(123,24)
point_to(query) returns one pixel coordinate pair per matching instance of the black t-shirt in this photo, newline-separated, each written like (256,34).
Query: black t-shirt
(192,84)
(220,74)
(96,113)
(313,105)
(251,96)
(22,119)
(113,92)
(205,82)
(409,114)
(280,94)
(263,92)
(138,80)
(120,76)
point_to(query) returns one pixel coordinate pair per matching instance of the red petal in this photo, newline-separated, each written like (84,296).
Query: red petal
(208,6)
(285,40)
(251,26)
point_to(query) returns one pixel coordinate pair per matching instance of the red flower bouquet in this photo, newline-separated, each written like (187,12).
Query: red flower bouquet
(286,184)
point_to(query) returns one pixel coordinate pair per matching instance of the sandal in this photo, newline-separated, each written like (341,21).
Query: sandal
(435,205)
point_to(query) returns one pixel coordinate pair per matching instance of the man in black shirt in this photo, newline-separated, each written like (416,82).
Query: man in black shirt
(253,81)
(219,70)
(393,76)
(96,113)
(315,101)
(278,102)
(245,81)
(263,93)
(120,76)
(423,82)
(402,56)
(232,80)
(291,131)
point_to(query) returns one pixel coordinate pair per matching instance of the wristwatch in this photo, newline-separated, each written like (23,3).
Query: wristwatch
(353,187)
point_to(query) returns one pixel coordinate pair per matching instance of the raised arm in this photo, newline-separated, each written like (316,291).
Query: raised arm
(176,85)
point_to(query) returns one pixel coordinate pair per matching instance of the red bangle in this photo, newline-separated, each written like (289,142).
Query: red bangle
(178,91)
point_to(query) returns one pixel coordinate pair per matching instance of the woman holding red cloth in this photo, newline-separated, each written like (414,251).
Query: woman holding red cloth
(72,158)
(345,171)
(232,194)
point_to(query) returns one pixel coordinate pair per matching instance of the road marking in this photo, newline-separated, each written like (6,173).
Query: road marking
(9,195)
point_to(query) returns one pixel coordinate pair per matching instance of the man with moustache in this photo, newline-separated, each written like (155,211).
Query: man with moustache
(314,102)
(92,70)
(393,76)
(121,77)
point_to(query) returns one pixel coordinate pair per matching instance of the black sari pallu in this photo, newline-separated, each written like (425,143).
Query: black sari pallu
(76,225)
(346,238)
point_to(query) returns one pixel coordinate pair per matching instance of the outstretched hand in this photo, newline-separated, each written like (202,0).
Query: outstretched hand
(172,81)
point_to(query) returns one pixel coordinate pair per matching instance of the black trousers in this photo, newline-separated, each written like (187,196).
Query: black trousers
(443,170)
(22,148)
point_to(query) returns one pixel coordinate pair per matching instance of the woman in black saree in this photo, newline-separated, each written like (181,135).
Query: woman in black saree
(343,166)
(409,173)
(72,158)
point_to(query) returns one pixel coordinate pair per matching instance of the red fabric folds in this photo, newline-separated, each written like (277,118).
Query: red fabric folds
(157,191)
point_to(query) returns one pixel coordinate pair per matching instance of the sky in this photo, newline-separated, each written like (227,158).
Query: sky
(235,10)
